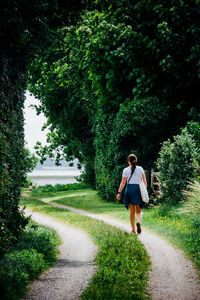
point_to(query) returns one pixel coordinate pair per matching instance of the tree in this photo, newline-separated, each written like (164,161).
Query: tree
(26,28)
(132,72)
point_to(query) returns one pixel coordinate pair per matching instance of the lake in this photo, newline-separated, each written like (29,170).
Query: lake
(54,175)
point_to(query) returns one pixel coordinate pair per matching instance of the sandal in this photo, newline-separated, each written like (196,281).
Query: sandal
(133,231)
(139,230)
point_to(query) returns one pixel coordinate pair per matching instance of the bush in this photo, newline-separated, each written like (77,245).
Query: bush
(193,128)
(41,239)
(60,187)
(35,251)
(16,271)
(177,164)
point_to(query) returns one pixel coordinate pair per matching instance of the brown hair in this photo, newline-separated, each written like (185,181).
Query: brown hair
(132,158)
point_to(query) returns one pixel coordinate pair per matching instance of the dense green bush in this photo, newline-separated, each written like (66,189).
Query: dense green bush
(16,271)
(34,252)
(177,165)
(193,128)
(42,239)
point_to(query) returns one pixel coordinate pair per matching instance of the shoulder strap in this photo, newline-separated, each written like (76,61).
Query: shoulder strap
(131,175)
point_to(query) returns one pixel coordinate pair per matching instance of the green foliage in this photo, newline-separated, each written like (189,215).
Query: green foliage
(124,79)
(16,271)
(12,220)
(177,165)
(48,188)
(26,29)
(52,78)
(193,128)
(33,253)
(42,239)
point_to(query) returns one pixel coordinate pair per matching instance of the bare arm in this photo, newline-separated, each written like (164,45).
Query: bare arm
(144,179)
(122,185)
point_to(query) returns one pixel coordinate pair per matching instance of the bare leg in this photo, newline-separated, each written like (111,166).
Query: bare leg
(139,213)
(139,218)
(132,216)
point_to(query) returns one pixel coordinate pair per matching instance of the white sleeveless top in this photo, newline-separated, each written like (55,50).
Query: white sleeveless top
(136,177)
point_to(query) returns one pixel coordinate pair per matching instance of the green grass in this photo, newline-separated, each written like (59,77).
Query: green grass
(170,222)
(122,261)
(180,229)
(87,199)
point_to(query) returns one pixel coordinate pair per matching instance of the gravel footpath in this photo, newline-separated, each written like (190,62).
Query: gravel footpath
(74,268)
(173,276)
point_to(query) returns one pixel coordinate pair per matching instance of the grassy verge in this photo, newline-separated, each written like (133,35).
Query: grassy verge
(122,261)
(35,252)
(171,222)
(180,229)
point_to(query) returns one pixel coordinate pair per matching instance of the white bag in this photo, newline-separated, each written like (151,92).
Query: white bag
(143,192)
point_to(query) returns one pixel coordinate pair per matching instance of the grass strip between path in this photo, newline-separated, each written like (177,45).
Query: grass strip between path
(123,263)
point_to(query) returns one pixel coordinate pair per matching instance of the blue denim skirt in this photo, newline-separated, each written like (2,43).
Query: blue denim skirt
(132,195)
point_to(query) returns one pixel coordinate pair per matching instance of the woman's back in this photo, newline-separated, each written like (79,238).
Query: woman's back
(136,177)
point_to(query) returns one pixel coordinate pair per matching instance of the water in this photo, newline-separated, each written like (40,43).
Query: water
(54,175)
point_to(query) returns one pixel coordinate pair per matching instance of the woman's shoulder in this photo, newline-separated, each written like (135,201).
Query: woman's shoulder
(127,169)
(140,169)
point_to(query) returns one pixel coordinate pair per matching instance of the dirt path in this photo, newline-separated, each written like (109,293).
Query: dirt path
(71,274)
(173,277)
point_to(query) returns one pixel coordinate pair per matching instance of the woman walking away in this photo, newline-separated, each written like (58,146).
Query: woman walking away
(133,175)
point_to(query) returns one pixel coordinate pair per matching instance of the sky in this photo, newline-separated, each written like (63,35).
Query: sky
(33,124)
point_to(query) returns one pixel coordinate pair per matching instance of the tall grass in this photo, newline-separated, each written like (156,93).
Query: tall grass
(192,204)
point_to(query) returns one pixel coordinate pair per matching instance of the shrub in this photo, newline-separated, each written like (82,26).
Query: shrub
(41,239)
(193,128)
(60,187)
(16,271)
(34,252)
(177,164)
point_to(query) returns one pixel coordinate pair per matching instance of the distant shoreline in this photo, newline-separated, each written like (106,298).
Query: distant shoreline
(54,175)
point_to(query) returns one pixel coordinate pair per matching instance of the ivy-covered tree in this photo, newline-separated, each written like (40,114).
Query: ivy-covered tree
(26,28)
